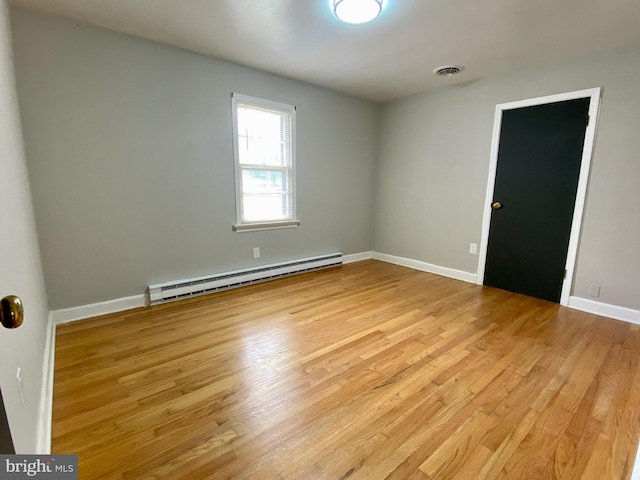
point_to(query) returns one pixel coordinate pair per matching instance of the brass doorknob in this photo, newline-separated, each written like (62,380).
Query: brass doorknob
(11,311)
(496,205)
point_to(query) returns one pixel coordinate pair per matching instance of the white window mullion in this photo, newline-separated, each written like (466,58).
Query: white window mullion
(251,166)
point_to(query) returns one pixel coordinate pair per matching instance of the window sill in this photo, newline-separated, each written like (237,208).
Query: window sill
(254,227)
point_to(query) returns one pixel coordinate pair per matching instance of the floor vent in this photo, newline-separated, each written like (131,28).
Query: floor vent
(177,290)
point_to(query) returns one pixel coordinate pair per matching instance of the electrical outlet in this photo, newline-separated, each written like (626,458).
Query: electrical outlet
(473,248)
(594,291)
(256,252)
(19,380)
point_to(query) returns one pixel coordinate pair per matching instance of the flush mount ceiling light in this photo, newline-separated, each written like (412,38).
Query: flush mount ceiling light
(357,11)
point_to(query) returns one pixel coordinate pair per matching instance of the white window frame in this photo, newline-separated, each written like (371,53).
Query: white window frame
(243,225)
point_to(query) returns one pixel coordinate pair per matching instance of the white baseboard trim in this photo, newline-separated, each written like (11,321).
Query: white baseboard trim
(45,410)
(357,257)
(95,309)
(635,473)
(606,310)
(427,267)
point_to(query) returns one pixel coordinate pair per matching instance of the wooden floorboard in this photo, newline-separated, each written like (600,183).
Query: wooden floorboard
(369,370)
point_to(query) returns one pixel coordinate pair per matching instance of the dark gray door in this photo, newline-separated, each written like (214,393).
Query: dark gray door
(539,158)
(6,443)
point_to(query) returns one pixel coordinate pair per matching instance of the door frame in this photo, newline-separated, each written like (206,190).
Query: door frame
(587,152)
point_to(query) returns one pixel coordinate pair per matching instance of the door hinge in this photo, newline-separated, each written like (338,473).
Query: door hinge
(588,119)
(565,274)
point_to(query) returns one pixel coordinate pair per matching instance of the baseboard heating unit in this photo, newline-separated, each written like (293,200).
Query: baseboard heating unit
(166,292)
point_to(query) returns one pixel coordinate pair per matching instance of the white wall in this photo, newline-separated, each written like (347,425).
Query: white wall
(434,158)
(130,156)
(20,269)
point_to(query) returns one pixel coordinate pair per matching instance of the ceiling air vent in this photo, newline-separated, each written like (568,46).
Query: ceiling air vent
(448,70)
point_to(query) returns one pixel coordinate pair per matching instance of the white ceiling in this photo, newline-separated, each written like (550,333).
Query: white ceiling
(389,58)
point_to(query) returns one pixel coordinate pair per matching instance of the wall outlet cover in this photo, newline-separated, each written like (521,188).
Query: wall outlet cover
(594,291)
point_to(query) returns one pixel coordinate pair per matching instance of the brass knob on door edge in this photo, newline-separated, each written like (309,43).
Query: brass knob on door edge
(496,205)
(11,311)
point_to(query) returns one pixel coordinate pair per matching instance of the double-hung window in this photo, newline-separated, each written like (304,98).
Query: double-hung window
(264,153)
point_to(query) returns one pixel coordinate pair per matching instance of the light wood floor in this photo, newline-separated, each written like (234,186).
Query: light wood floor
(369,370)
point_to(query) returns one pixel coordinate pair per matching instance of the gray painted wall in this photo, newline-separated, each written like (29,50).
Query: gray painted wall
(20,270)
(129,150)
(434,158)
(130,156)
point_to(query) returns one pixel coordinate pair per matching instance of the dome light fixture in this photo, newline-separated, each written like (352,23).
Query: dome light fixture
(357,11)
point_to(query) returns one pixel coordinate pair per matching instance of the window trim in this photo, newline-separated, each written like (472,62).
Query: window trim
(244,226)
